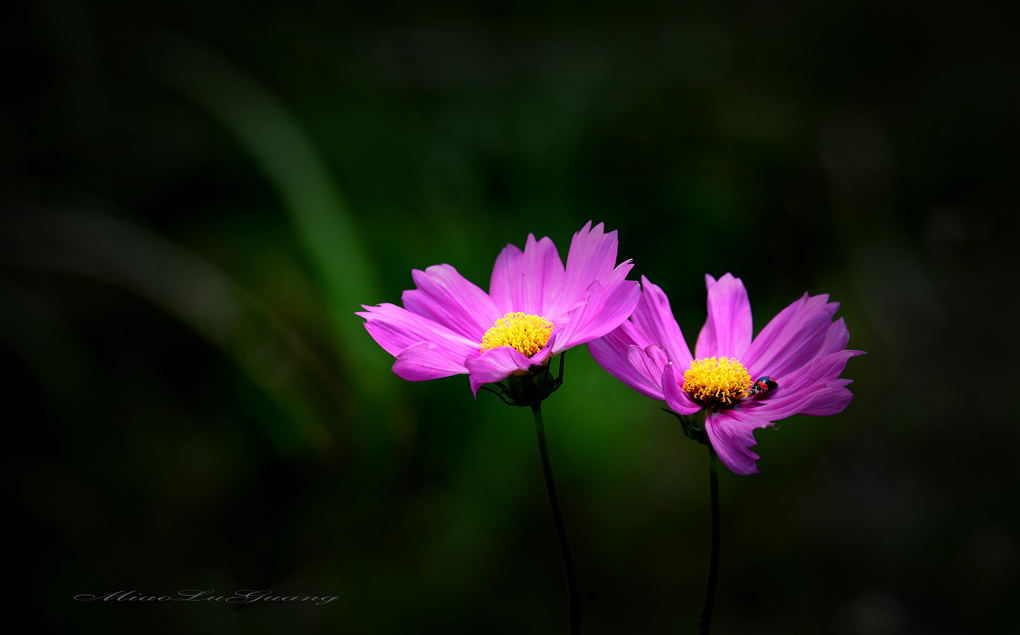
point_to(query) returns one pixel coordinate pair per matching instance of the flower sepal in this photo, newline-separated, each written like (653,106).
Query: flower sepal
(693,425)
(529,388)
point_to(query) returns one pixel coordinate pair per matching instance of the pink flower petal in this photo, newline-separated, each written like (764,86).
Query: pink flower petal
(426,360)
(828,367)
(784,402)
(798,390)
(395,329)
(830,400)
(824,398)
(446,297)
(672,388)
(592,257)
(654,318)
(528,281)
(618,275)
(731,432)
(613,353)
(605,310)
(650,361)
(828,362)
(496,365)
(728,329)
(795,391)
(564,333)
(793,338)
(815,389)
(836,338)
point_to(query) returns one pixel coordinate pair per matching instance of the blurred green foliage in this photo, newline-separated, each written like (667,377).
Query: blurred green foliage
(196,198)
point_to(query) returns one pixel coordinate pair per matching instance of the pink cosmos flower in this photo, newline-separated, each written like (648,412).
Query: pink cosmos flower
(739,384)
(535,309)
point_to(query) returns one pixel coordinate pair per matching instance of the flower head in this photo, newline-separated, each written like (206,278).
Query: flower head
(536,308)
(737,383)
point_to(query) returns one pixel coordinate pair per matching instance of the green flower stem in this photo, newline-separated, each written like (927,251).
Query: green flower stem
(713,567)
(561,532)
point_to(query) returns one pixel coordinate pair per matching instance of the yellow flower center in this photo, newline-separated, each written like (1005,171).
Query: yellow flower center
(717,382)
(526,333)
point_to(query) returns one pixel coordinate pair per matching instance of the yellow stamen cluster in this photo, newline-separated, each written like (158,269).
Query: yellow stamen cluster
(717,382)
(526,333)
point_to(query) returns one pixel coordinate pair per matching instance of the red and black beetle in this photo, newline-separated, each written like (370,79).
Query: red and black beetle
(762,386)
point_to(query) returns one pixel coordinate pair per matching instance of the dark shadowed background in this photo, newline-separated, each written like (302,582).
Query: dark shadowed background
(197,196)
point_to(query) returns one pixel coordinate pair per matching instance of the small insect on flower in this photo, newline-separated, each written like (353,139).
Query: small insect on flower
(762,386)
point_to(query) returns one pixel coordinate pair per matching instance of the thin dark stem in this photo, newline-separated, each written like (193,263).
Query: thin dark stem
(501,397)
(713,567)
(561,532)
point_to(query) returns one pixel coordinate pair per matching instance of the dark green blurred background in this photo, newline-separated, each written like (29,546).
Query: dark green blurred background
(197,196)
